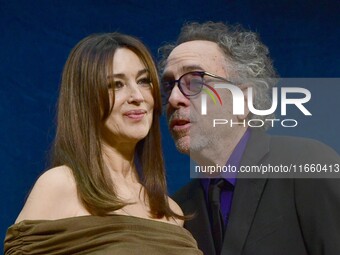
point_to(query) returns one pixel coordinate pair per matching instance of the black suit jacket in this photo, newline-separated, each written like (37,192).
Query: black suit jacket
(290,216)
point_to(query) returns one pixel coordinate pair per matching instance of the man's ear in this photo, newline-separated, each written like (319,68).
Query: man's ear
(244,88)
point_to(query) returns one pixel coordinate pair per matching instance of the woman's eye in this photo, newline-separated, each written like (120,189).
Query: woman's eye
(118,85)
(145,82)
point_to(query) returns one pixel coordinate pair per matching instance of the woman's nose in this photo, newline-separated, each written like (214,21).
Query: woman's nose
(135,94)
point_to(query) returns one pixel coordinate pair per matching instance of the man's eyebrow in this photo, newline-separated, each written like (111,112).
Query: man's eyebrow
(183,70)
(191,68)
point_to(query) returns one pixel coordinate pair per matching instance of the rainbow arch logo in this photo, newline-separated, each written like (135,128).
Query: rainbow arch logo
(211,91)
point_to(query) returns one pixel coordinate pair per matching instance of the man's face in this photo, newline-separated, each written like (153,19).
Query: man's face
(191,131)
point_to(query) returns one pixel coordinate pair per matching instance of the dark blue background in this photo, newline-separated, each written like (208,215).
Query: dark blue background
(36,37)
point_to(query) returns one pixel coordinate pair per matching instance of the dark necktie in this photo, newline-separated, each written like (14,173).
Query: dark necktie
(216,215)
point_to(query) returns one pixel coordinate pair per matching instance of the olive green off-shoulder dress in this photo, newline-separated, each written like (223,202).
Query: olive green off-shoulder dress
(114,234)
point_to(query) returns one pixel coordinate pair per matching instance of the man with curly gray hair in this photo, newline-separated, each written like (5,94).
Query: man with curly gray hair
(235,214)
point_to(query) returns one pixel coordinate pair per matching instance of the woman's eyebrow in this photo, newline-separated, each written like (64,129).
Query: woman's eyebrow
(143,71)
(122,75)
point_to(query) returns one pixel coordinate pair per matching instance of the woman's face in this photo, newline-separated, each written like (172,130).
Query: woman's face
(131,116)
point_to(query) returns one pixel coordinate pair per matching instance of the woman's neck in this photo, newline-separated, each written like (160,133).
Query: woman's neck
(120,161)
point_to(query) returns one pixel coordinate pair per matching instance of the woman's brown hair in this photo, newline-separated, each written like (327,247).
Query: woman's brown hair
(84,105)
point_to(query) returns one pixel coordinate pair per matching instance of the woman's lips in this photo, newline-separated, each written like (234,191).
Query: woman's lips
(135,114)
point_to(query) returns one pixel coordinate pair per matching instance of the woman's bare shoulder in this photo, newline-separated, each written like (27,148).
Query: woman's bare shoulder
(53,196)
(176,209)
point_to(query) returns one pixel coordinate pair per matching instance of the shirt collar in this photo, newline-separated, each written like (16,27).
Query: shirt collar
(234,160)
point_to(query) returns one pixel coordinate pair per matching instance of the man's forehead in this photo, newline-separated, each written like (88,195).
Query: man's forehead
(191,54)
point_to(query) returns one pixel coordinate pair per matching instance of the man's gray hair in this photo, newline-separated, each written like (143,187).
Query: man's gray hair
(245,54)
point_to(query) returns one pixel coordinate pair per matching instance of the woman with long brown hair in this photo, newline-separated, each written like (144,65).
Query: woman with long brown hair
(106,190)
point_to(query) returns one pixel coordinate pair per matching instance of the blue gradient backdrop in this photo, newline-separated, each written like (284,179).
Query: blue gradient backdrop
(36,37)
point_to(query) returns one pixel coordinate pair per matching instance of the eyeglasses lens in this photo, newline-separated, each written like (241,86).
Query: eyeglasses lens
(191,84)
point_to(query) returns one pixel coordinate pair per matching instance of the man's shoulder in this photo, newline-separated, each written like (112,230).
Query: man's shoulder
(301,146)
(287,140)
(284,139)
(290,146)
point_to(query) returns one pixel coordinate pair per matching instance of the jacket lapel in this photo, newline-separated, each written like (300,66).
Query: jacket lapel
(246,196)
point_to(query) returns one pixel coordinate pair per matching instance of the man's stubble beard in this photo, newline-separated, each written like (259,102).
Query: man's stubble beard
(199,135)
(194,141)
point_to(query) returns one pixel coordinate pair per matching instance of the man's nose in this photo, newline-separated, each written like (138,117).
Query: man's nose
(177,99)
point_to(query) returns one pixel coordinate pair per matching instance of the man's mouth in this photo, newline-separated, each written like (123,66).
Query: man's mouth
(179,124)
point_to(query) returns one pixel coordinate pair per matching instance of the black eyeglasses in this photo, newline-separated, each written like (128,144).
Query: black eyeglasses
(190,84)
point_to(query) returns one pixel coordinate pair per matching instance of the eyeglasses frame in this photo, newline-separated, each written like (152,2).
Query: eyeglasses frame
(172,84)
